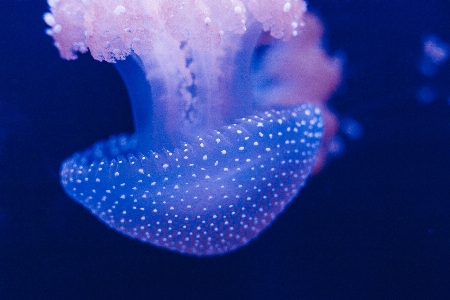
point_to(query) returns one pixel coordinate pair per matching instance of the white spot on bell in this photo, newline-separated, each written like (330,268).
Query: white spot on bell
(119,9)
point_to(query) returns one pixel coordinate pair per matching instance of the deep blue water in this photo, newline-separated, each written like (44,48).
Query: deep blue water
(375,224)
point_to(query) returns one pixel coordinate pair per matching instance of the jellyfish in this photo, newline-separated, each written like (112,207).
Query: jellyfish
(229,108)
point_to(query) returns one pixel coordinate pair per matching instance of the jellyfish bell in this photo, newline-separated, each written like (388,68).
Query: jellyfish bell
(213,162)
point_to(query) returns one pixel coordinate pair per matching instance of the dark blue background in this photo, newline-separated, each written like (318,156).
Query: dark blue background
(375,224)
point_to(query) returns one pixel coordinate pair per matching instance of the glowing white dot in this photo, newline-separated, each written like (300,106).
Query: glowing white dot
(119,9)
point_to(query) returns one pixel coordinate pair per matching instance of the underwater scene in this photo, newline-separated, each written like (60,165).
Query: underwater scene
(239,149)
